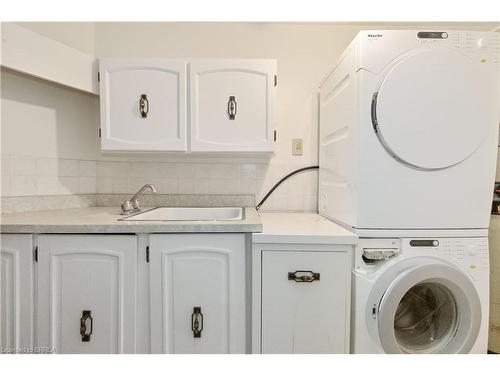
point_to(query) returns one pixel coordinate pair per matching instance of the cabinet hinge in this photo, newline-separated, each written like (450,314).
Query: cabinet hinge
(99,132)
(99,77)
(274,136)
(275,80)
(35,254)
(147,254)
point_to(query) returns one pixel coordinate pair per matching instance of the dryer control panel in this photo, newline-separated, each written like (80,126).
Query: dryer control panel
(378,48)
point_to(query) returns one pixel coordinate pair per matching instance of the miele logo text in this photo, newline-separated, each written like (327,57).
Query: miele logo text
(374,35)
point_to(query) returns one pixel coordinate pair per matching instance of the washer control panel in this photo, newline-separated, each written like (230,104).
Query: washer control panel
(373,254)
(471,253)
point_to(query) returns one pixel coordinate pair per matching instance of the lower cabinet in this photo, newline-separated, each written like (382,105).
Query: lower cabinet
(86,293)
(172,293)
(16,293)
(301,300)
(198,294)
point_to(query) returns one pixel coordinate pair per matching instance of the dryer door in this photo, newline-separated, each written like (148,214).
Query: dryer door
(429,308)
(429,111)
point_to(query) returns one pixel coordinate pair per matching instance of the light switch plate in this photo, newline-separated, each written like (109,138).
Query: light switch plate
(297,146)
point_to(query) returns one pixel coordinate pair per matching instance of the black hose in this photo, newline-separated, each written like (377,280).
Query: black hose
(282,180)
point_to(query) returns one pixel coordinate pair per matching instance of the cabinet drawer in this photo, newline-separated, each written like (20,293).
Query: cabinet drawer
(305,312)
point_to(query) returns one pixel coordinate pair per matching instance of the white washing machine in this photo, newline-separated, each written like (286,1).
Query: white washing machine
(409,130)
(420,295)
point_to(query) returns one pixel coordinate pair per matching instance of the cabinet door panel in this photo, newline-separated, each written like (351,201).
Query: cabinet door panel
(198,271)
(305,317)
(16,292)
(124,82)
(87,273)
(250,84)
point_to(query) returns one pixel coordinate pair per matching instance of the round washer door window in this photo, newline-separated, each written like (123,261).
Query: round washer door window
(431,308)
(426,318)
(430,111)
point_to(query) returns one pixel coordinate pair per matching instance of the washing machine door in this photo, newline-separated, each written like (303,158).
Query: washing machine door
(429,112)
(429,308)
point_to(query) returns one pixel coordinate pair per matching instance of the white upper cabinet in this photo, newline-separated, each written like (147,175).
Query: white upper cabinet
(232,105)
(143,105)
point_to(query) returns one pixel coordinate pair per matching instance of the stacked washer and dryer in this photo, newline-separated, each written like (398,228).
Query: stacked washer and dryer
(408,145)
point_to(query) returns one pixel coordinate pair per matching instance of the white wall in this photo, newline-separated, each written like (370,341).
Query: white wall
(47,131)
(305,53)
(79,35)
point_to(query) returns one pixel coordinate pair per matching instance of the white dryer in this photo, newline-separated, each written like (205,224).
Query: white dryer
(420,295)
(409,129)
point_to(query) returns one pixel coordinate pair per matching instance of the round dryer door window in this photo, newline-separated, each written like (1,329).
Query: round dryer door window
(429,308)
(428,112)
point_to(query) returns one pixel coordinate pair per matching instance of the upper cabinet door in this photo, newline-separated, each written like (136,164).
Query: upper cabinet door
(143,105)
(232,105)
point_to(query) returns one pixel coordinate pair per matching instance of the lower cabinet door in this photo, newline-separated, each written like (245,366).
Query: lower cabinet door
(197,293)
(305,302)
(16,293)
(87,293)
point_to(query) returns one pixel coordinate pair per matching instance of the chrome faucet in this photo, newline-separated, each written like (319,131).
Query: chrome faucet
(132,205)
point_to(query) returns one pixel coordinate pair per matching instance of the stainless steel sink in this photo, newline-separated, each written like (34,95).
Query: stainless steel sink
(189,214)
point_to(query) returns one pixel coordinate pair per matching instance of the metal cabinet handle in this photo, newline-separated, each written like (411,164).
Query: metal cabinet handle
(373,112)
(86,315)
(197,322)
(232,107)
(144,105)
(303,276)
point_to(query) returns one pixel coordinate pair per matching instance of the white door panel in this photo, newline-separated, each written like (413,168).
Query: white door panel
(201,278)
(80,273)
(161,87)
(232,104)
(16,292)
(305,317)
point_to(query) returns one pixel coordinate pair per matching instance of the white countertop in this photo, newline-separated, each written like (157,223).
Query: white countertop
(106,220)
(304,228)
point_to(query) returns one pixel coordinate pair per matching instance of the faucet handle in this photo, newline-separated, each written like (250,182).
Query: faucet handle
(135,204)
(127,207)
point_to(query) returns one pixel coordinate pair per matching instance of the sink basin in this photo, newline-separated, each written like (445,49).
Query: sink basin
(188,214)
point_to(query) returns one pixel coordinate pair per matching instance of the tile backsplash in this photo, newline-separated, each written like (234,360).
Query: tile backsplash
(35,176)
(29,176)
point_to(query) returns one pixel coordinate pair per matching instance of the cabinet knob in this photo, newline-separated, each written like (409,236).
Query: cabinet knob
(144,105)
(231,107)
(197,322)
(303,276)
(86,315)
